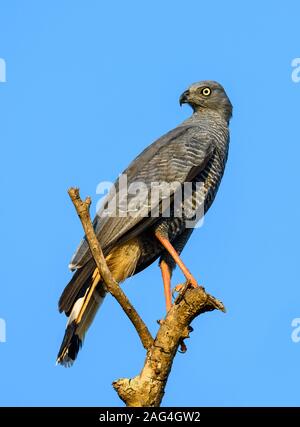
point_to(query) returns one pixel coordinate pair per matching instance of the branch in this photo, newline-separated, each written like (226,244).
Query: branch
(147,389)
(82,208)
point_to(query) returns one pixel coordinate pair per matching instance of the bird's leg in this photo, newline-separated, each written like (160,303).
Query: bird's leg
(168,246)
(166,276)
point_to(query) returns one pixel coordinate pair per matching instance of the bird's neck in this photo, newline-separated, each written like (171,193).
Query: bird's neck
(206,113)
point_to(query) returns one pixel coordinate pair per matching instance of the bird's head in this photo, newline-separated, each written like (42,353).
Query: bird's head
(207,95)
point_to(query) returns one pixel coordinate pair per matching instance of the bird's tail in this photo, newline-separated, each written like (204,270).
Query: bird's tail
(85,293)
(80,319)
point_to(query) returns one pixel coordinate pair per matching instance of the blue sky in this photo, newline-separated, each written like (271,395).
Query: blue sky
(89,85)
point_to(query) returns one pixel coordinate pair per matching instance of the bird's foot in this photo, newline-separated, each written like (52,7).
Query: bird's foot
(191,282)
(183,347)
(178,289)
(182,288)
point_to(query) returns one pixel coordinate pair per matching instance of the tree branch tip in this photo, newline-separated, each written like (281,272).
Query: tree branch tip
(218,305)
(223,308)
(73,192)
(121,387)
(120,383)
(88,201)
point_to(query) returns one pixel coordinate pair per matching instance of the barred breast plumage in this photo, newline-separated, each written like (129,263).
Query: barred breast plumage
(209,179)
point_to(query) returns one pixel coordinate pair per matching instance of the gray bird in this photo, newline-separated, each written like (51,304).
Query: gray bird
(195,152)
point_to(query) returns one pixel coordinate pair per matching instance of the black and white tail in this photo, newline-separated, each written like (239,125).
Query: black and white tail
(75,330)
(85,292)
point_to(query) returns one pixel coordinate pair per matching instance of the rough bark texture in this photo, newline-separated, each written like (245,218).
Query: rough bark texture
(147,388)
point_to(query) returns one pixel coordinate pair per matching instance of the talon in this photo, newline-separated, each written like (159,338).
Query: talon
(178,289)
(191,281)
(183,347)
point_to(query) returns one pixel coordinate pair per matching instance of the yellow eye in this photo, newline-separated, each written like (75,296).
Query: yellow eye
(206,91)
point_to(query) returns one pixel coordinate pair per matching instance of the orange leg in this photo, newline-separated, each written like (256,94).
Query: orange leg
(166,276)
(168,246)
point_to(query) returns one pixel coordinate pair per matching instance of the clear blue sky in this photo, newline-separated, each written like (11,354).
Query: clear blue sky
(89,85)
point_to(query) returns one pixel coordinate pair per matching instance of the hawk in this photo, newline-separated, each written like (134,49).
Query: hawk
(195,152)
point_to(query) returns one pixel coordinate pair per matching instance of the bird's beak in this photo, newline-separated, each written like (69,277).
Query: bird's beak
(184,97)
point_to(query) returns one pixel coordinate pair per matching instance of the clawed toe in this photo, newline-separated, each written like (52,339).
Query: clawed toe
(191,281)
(183,347)
(182,287)
(178,289)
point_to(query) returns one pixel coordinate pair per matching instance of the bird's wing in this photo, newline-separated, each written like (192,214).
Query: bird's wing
(176,157)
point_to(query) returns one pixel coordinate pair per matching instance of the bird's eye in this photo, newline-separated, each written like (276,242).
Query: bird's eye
(206,91)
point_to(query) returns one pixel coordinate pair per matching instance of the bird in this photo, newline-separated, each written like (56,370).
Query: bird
(195,152)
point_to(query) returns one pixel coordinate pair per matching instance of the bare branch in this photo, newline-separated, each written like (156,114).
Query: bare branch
(147,389)
(82,208)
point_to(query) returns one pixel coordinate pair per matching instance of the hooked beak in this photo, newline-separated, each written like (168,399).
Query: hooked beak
(184,97)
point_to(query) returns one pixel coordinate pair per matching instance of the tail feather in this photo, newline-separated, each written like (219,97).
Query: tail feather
(70,346)
(77,285)
(81,306)
(75,332)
